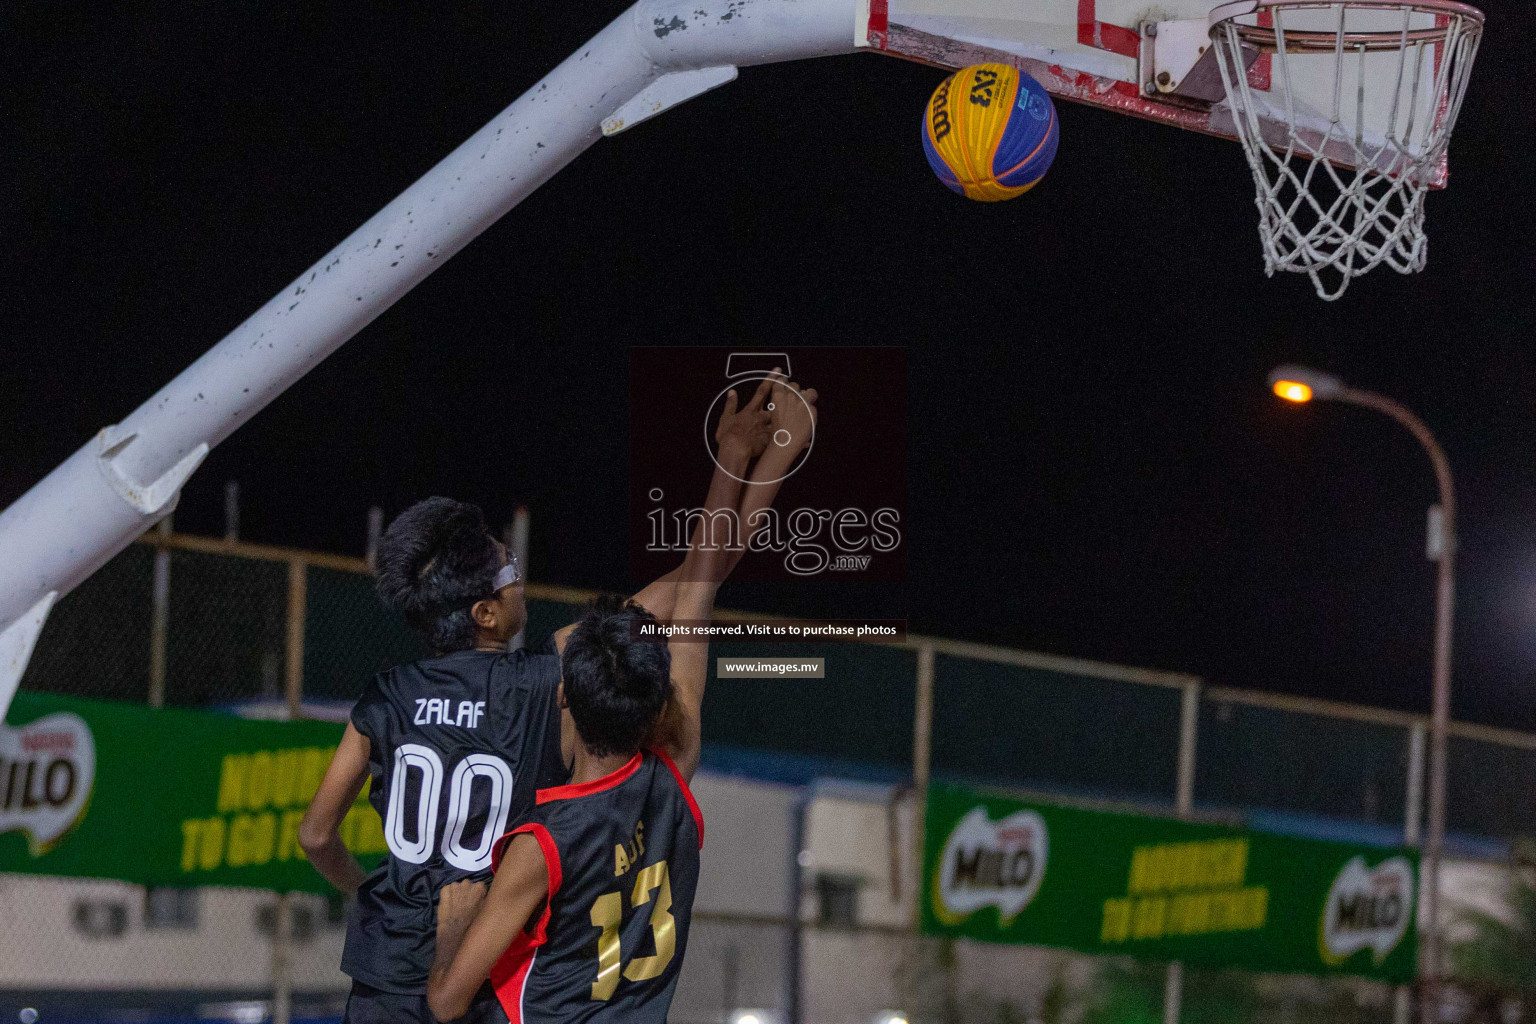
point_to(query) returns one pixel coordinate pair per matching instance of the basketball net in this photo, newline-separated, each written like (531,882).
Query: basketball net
(1341,184)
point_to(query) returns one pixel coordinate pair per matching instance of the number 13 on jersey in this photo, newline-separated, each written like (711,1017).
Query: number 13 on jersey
(608,914)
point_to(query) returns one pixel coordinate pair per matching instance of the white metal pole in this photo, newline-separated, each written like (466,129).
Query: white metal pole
(1413,809)
(126,478)
(1434,959)
(160,617)
(375,531)
(518,545)
(1184,803)
(231,510)
(794,926)
(922,766)
(282,958)
(1189,731)
(922,769)
(1173,993)
(1413,812)
(293,693)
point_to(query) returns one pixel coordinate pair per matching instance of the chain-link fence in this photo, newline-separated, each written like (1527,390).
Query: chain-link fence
(200,623)
(1253,755)
(96,642)
(1055,730)
(349,636)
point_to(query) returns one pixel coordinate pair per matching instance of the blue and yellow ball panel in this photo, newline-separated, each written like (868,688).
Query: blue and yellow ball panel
(990,132)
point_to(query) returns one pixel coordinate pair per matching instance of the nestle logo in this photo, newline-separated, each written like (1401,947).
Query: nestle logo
(52,742)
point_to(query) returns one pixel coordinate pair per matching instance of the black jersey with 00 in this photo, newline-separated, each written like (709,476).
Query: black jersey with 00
(458,745)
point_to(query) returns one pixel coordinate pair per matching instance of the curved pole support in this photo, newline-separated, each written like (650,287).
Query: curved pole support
(156,499)
(16,645)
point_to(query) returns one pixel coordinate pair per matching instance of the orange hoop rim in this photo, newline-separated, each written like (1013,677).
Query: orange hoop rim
(1266,38)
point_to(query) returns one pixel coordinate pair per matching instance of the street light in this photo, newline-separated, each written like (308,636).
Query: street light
(1301,384)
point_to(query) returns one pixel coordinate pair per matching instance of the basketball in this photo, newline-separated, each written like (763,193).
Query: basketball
(990,132)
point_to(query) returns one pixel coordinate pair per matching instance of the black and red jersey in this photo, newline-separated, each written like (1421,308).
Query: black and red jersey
(457,748)
(623,859)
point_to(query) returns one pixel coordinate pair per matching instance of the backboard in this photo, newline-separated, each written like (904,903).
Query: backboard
(1116,54)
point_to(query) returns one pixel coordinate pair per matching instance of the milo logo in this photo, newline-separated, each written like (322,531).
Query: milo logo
(47,770)
(989,863)
(1367,908)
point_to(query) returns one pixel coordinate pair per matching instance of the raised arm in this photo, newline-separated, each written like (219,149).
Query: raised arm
(741,435)
(792,420)
(706,566)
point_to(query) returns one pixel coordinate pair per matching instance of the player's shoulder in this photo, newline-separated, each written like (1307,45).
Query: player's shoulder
(536,829)
(650,776)
(547,646)
(398,688)
(524,684)
(647,769)
(536,667)
(505,670)
(391,689)
(670,777)
(470,667)
(576,825)
(372,703)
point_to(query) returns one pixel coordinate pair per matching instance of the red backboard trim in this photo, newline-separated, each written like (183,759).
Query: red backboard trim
(879,20)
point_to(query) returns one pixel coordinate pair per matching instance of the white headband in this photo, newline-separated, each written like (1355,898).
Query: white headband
(507,575)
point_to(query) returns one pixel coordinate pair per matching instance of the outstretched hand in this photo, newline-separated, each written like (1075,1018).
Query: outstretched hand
(744,432)
(792,414)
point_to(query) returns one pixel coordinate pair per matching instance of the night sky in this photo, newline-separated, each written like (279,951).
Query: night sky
(1095,465)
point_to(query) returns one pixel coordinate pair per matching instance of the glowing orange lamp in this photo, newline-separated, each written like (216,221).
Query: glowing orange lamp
(1302,384)
(1293,391)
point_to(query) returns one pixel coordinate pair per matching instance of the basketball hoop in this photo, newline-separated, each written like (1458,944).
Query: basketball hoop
(1342,189)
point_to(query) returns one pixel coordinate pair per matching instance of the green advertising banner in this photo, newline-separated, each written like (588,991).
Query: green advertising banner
(1005,870)
(165,797)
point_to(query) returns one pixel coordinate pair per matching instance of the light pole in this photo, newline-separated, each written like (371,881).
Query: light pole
(1302,384)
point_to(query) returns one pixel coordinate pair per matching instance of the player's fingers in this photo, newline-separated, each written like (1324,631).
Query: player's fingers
(465,895)
(730,402)
(809,394)
(761,394)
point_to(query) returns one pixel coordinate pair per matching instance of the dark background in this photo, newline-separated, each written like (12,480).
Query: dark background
(1096,467)
(858,463)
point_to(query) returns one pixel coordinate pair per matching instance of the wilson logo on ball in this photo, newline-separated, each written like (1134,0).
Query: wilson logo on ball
(1000,143)
(938,113)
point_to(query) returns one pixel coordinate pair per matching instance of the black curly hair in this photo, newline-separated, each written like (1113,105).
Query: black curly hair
(616,684)
(434,562)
